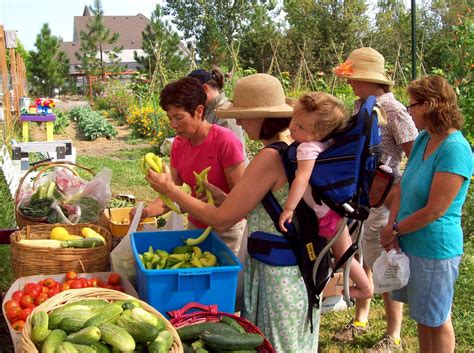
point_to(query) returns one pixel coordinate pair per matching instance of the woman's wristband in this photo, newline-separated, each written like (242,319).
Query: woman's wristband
(395,231)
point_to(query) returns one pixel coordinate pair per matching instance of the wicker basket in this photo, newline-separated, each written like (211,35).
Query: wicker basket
(23,220)
(210,313)
(28,260)
(73,295)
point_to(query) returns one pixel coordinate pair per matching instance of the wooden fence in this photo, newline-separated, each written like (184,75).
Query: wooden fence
(13,75)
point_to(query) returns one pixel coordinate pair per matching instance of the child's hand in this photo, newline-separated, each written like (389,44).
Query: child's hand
(285,216)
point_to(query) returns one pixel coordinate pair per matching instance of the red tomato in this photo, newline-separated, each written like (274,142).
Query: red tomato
(44,290)
(68,282)
(41,299)
(18,325)
(34,290)
(109,286)
(114,279)
(77,283)
(65,286)
(24,313)
(71,275)
(85,282)
(119,288)
(29,285)
(17,295)
(26,301)
(41,283)
(49,282)
(12,304)
(53,292)
(12,313)
(93,282)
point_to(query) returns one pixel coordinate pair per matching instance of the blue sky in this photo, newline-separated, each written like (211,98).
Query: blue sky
(28,16)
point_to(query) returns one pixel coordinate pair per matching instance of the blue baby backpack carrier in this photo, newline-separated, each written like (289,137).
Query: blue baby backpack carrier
(341,178)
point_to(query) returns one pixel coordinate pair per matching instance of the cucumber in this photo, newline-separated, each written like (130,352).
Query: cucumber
(239,351)
(128,304)
(100,347)
(87,336)
(93,304)
(66,347)
(236,341)
(81,348)
(140,331)
(162,344)
(192,332)
(117,337)
(140,314)
(58,314)
(40,327)
(232,323)
(82,243)
(108,314)
(54,339)
(74,323)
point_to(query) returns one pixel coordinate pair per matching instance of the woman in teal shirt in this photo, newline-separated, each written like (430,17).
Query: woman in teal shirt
(425,217)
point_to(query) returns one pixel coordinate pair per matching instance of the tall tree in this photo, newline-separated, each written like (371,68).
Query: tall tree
(98,40)
(163,55)
(48,66)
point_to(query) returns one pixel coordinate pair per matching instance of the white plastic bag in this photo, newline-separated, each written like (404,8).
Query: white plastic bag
(121,258)
(391,271)
(174,222)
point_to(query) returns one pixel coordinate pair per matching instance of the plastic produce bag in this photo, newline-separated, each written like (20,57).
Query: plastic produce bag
(121,258)
(174,222)
(391,271)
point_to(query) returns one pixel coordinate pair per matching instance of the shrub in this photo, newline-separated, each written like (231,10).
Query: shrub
(115,99)
(149,121)
(92,124)
(61,123)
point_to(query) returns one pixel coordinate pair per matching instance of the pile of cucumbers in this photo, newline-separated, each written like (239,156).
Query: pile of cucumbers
(98,326)
(225,336)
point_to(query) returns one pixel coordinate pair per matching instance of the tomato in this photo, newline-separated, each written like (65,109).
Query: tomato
(119,288)
(34,290)
(26,301)
(77,283)
(93,282)
(65,286)
(49,282)
(109,286)
(12,304)
(24,313)
(18,325)
(29,285)
(17,295)
(53,292)
(71,275)
(12,313)
(41,298)
(85,282)
(44,290)
(41,283)
(114,279)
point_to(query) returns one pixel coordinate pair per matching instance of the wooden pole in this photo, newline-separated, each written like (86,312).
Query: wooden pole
(5,80)
(14,79)
(89,78)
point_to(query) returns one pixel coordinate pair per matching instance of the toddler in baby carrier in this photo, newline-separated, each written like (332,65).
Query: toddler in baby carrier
(342,178)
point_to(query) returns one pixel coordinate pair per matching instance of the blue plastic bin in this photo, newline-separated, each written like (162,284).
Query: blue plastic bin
(168,290)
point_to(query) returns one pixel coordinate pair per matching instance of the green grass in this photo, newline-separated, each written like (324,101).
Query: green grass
(128,179)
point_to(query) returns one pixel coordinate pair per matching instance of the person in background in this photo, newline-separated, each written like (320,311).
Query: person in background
(425,217)
(365,72)
(213,83)
(198,145)
(275,297)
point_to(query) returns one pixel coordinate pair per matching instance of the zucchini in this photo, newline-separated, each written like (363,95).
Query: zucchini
(162,344)
(232,323)
(82,243)
(108,314)
(87,336)
(81,348)
(40,327)
(66,347)
(140,331)
(117,337)
(234,342)
(54,339)
(192,332)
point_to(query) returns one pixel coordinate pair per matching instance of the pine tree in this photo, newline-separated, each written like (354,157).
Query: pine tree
(94,42)
(161,48)
(48,66)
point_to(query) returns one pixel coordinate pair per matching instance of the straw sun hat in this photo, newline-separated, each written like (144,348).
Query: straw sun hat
(257,96)
(364,64)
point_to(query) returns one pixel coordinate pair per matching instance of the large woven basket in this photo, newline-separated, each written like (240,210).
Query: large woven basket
(23,220)
(28,260)
(72,295)
(210,313)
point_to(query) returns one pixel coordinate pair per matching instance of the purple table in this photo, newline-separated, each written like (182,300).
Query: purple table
(48,119)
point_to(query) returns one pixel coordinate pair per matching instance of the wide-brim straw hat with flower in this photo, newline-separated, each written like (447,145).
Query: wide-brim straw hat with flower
(364,64)
(257,96)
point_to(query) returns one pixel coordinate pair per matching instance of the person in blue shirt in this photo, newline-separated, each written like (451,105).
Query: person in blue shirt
(425,216)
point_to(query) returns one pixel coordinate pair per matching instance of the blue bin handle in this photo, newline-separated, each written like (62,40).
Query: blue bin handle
(182,273)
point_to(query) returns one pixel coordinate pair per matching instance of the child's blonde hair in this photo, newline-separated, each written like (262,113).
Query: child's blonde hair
(329,112)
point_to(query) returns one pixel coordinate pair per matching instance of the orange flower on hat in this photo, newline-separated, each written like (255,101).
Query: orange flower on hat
(345,69)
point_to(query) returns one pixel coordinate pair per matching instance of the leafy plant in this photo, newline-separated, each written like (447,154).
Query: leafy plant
(61,123)
(92,124)
(115,98)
